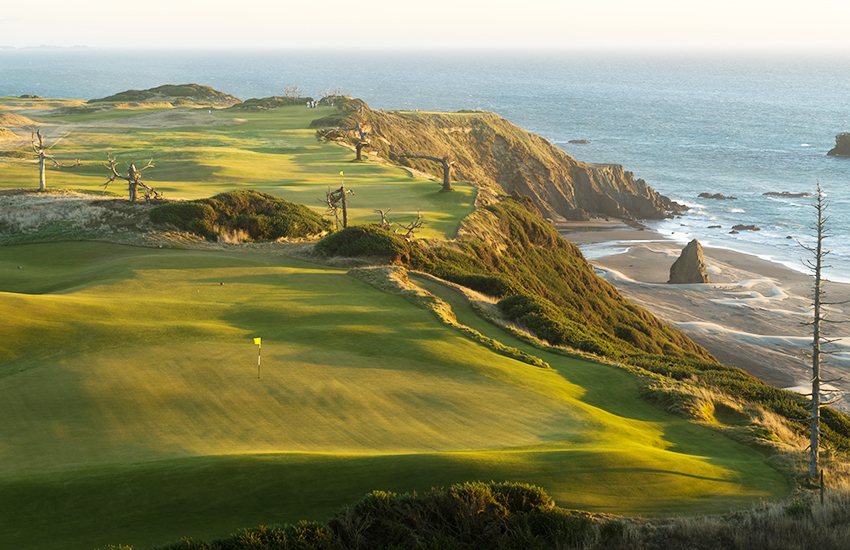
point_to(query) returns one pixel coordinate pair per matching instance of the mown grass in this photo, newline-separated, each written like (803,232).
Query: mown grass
(272,152)
(133,412)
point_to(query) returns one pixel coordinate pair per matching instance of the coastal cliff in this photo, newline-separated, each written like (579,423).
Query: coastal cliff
(489,151)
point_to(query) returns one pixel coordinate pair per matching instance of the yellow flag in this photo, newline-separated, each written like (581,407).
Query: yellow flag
(340,173)
(257,341)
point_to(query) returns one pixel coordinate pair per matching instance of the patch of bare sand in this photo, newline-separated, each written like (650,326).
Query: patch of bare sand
(752,315)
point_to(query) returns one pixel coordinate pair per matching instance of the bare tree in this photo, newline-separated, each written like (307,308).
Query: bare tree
(293,92)
(447,167)
(384,223)
(133,178)
(42,152)
(414,226)
(819,316)
(341,134)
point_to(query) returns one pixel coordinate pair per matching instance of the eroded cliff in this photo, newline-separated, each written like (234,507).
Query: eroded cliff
(489,151)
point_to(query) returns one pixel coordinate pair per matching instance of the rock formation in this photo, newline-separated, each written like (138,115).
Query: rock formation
(786,194)
(842,146)
(690,267)
(718,196)
(742,227)
(489,151)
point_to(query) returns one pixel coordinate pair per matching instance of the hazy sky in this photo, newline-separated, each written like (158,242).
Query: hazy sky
(528,24)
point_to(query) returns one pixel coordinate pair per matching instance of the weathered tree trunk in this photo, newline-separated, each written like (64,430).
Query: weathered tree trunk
(360,146)
(814,466)
(42,178)
(133,181)
(447,168)
(447,171)
(344,208)
(816,266)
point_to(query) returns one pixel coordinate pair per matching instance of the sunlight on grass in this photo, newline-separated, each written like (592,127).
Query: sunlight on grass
(136,356)
(272,152)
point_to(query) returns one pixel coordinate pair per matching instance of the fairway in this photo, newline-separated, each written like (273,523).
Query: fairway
(272,151)
(133,412)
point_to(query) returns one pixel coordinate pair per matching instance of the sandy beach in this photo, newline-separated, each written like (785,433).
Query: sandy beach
(751,315)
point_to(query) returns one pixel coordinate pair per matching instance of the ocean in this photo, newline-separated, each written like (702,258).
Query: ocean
(686,123)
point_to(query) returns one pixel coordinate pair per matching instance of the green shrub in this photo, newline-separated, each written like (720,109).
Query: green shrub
(261,216)
(365,241)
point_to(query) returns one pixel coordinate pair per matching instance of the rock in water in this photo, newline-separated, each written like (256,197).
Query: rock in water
(690,267)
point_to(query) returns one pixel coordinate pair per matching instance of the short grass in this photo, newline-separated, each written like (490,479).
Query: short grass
(132,411)
(272,152)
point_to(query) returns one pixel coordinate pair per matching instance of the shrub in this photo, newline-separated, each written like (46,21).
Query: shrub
(365,241)
(261,216)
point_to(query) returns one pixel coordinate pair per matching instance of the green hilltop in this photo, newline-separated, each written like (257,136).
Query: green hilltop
(485,348)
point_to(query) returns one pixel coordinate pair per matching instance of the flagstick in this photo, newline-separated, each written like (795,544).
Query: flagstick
(259,347)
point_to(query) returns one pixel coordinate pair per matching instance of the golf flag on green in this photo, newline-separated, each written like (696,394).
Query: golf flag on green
(258,341)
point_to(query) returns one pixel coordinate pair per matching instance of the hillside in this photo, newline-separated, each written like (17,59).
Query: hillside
(171,93)
(136,411)
(489,151)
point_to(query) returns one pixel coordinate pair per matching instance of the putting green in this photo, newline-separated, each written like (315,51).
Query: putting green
(133,412)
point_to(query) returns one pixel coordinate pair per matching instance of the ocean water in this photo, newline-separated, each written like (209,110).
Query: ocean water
(737,125)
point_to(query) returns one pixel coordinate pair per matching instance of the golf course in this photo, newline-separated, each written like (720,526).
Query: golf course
(135,410)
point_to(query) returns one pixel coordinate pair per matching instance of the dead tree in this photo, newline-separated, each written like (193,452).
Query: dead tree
(293,92)
(336,201)
(384,223)
(42,152)
(819,316)
(447,167)
(341,134)
(414,226)
(133,179)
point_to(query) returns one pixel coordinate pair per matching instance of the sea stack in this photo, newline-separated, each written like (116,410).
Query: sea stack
(690,267)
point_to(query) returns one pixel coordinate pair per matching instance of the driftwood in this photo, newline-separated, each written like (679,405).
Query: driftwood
(133,179)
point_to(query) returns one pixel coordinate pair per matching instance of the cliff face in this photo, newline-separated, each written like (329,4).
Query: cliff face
(489,151)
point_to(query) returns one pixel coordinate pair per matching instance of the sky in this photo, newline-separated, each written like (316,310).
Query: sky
(728,25)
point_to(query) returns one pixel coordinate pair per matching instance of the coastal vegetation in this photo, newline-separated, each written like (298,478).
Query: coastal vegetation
(241,216)
(491,515)
(179,94)
(504,357)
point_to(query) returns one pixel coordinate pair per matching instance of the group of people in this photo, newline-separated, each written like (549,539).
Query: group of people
(314,104)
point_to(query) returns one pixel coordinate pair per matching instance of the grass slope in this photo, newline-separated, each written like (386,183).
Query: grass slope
(133,413)
(270,151)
